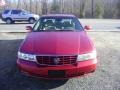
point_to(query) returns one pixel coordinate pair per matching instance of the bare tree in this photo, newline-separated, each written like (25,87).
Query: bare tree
(36,6)
(30,5)
(44,6)
(118,9)
(18,4)
(80,8)
(25,4)
(61,6)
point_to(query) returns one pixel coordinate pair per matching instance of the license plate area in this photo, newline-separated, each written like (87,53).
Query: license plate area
(56,73)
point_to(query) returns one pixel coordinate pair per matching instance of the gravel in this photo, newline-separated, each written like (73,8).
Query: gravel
(106,77)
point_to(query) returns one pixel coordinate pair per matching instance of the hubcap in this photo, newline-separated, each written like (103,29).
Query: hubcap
(32,20)
(8,21)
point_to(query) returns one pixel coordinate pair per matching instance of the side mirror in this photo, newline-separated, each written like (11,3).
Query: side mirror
(29,28)
(87,27)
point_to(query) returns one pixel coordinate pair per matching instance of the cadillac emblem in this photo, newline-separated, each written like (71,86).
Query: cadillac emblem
(56,60)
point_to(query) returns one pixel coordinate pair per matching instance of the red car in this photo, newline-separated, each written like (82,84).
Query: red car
(57,47)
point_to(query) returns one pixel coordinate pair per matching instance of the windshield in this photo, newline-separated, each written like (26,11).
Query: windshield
(57,23)
(25,12)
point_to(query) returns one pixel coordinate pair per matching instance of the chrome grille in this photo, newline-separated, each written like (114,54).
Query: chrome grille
(56,60)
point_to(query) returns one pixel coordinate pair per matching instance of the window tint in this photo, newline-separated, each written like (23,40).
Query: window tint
(25,12)
(6,11)
(55,23)
(16,12)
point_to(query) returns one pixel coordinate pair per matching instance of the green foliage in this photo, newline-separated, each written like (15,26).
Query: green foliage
(99,11)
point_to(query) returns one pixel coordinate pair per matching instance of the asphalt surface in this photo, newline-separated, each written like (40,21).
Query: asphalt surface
(102,24)
(96,24)
(17,27)
(106,77)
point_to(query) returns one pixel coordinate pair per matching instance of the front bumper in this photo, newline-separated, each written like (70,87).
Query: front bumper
(3,19)
(80,69)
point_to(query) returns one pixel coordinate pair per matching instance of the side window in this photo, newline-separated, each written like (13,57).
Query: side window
(23,13)
(16,12)
(6,11)
(68,24)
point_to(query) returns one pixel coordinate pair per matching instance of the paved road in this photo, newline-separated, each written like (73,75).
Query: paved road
(106,77)
(97,24)
(18,27)
(102,24)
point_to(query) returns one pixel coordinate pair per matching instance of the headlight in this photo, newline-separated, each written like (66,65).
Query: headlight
(28,57)
(87,56)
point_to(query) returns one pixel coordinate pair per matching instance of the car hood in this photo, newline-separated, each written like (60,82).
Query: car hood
(35,15)
(57,43)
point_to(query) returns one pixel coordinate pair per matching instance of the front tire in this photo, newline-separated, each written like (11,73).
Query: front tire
(9,21)
(31,20)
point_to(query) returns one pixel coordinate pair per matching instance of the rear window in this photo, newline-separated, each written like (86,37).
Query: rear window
(16,12)
(6,12)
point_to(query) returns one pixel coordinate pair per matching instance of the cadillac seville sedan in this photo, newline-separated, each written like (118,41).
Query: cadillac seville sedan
(57,47)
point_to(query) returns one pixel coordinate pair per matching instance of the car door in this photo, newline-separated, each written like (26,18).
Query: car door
(24,15)
(16,15)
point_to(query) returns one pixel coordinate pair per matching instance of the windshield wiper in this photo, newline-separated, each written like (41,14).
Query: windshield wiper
(52,30)
(65,30)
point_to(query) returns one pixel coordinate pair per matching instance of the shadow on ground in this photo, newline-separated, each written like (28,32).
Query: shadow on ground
(11,78)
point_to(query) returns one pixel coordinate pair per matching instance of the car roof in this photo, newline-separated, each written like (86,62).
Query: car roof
(58,15)
(13,9)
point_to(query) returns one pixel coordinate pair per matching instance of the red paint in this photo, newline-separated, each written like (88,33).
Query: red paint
(88,27)
(81,69)
(57,43)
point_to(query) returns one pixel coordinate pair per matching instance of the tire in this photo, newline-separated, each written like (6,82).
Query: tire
(31,20)
(9,21)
